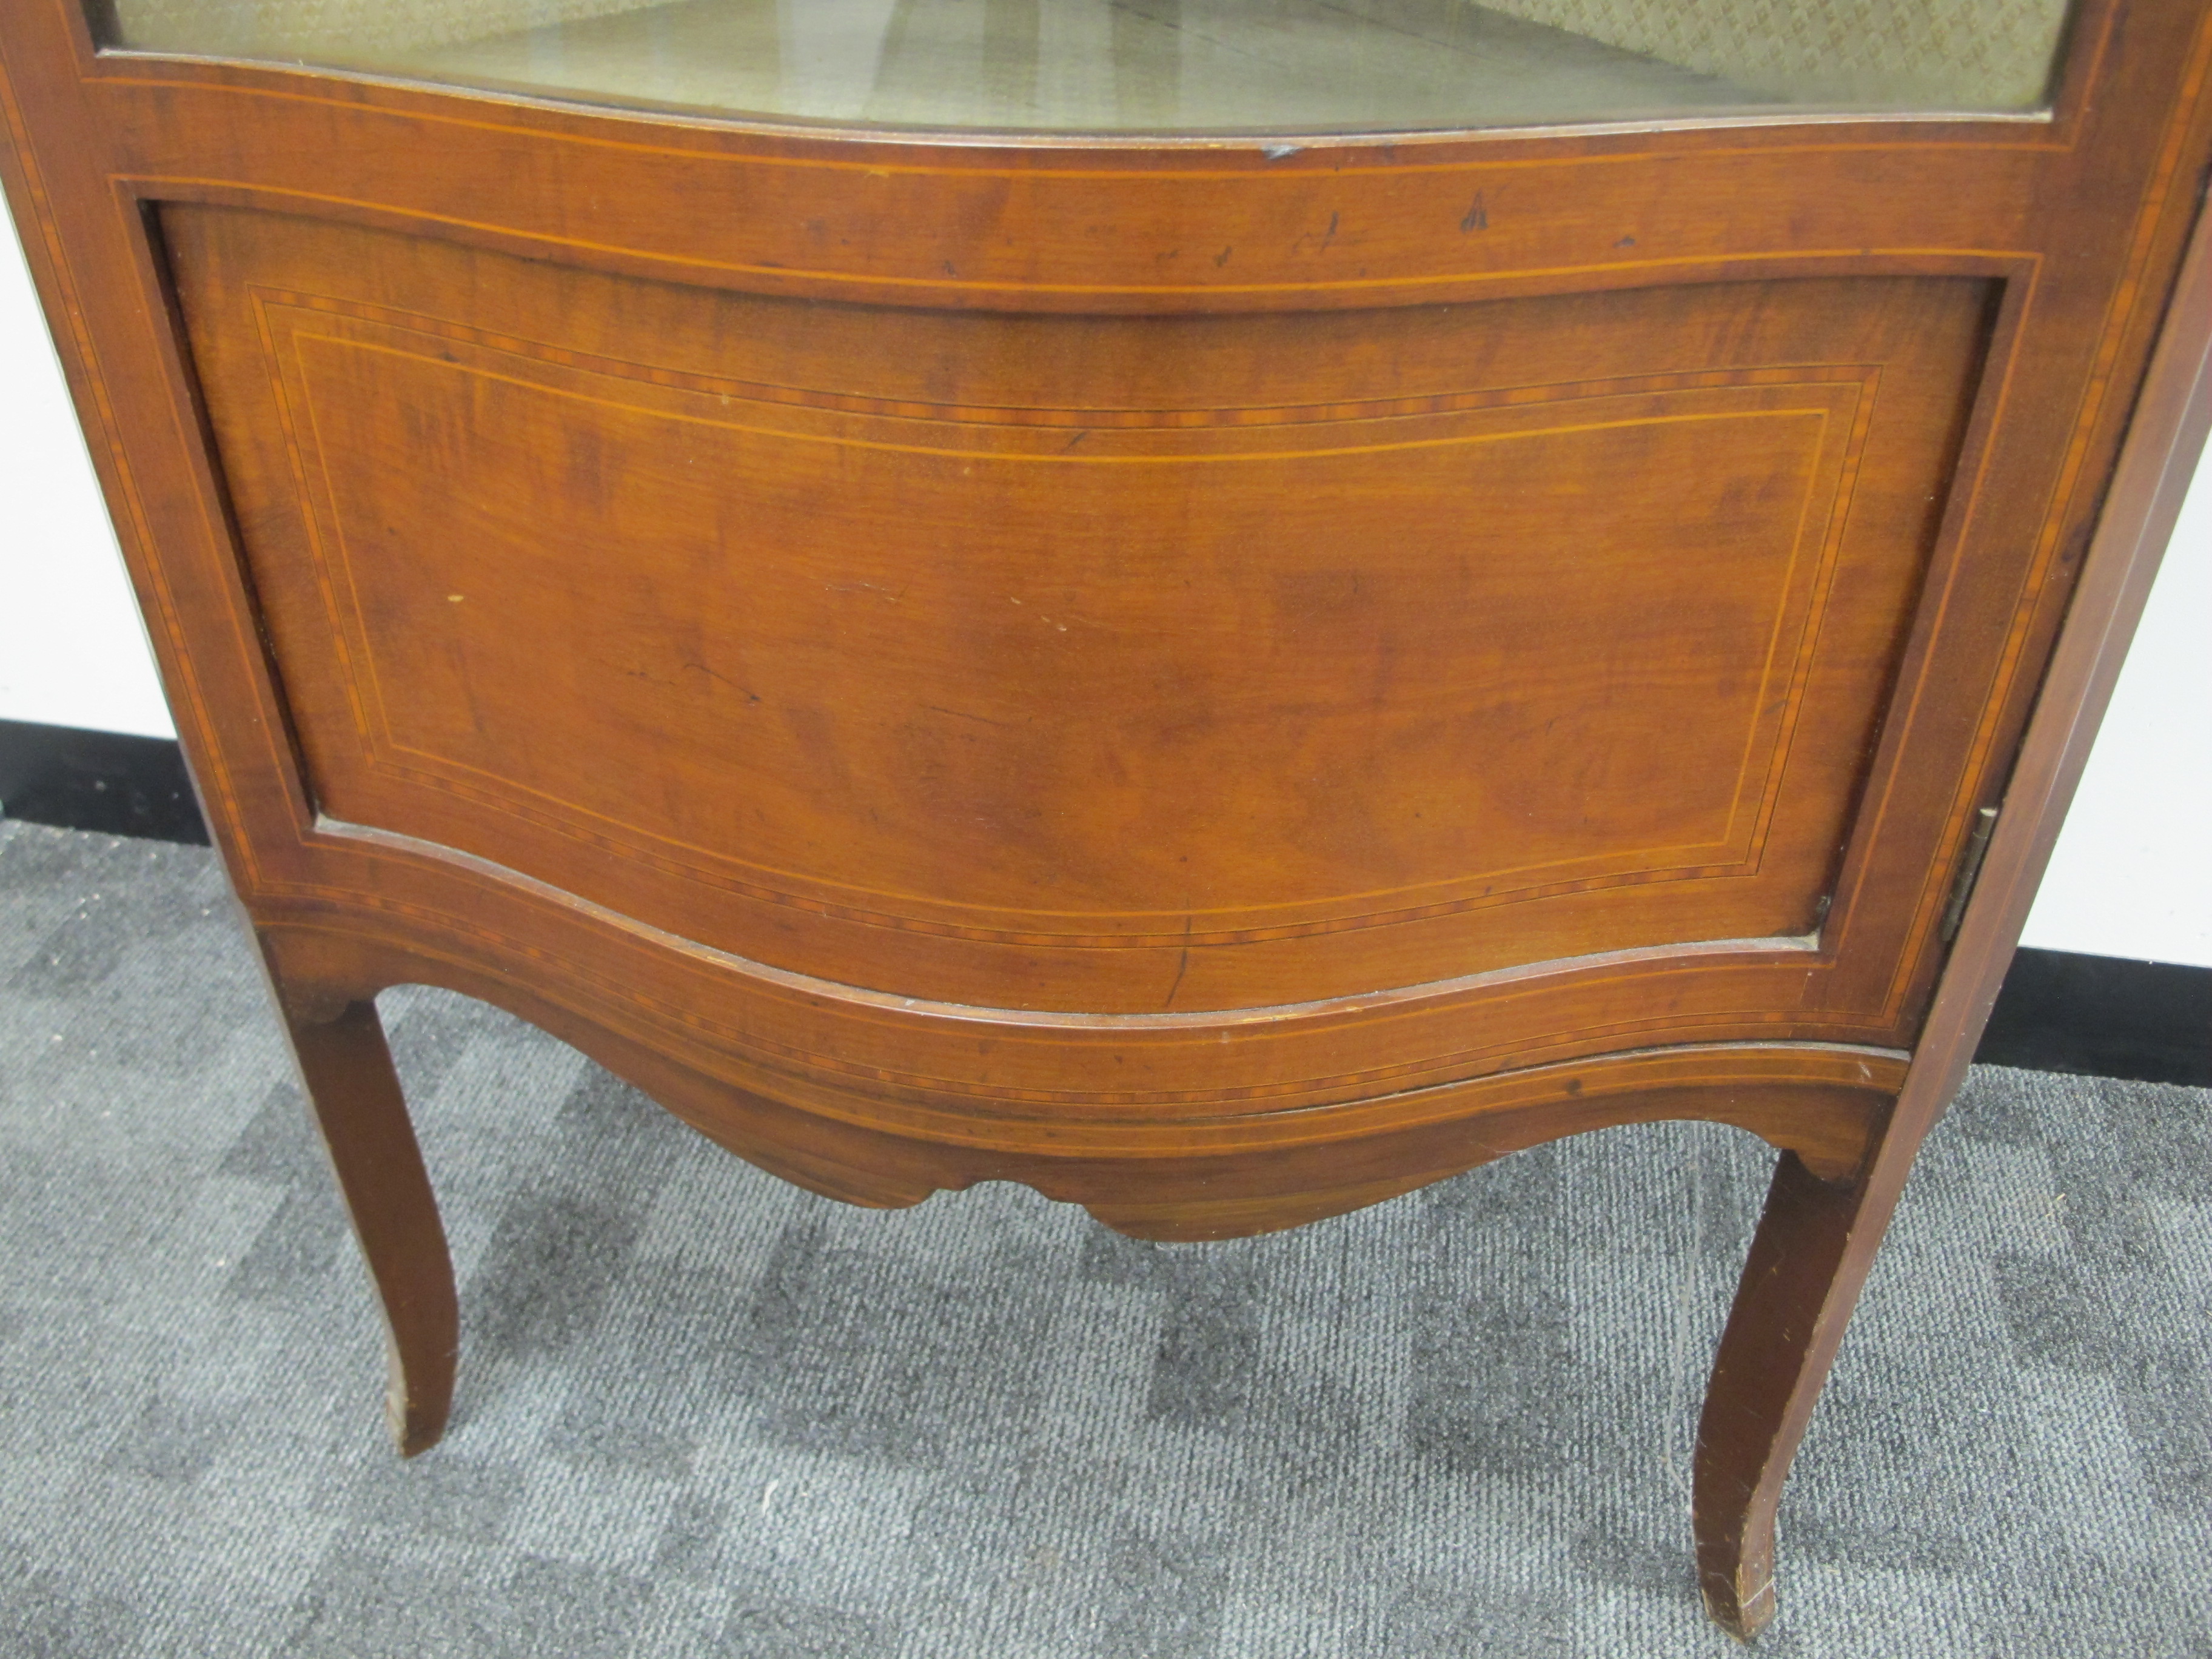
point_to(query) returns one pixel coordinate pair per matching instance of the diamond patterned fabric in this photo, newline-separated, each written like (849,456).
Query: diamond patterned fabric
(1935,54)
(1947,54)
(339,29)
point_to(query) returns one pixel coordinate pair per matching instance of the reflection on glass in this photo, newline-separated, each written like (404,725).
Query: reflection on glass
(1163,65)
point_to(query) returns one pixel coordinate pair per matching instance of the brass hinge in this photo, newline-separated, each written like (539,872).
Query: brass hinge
(1970,870)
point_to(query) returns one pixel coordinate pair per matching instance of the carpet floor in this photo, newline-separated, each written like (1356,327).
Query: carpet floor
(703,1412)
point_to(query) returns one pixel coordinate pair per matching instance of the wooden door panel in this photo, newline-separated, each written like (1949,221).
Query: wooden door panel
(1088,664)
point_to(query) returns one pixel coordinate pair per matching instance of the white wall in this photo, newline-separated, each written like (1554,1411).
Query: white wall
(72,649)
(2131,877)
(2132,874)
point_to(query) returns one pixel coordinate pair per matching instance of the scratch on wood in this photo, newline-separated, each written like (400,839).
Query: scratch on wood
(962,714)
(719,679)
(1183,962)
(1478,217)
(1320,242)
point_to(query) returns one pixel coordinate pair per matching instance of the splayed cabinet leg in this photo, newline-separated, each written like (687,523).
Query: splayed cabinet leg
(1808,1260)
(356,1095)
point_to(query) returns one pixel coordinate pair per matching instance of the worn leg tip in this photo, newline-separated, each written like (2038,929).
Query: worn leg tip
(414,1430)
(1741,1616)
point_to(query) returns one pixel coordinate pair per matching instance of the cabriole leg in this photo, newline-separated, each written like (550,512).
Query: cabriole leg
(1807,1261)
(356,1095)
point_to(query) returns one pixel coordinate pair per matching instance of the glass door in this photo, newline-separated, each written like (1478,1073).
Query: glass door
(1163,66)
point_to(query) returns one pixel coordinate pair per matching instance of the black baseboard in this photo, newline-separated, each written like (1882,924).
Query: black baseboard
(2103,1016)
(104,781)
(2093,1016)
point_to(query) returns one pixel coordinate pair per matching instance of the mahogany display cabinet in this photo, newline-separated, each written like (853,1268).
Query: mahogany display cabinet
(1222,607)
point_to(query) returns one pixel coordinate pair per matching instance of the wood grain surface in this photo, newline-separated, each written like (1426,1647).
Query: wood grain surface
(1418,660)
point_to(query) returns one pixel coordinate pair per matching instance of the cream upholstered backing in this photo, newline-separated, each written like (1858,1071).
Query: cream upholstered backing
(339,29)
(1941,54)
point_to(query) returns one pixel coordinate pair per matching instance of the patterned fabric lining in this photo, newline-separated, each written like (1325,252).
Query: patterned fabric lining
(1955,54)
(339,29)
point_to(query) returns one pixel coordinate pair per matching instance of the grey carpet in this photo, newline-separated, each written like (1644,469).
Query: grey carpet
(701,1413)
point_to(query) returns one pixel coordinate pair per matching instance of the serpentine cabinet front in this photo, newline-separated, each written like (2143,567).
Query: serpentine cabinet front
(1223,609)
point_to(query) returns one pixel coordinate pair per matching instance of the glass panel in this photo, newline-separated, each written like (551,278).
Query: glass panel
(1163,65)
